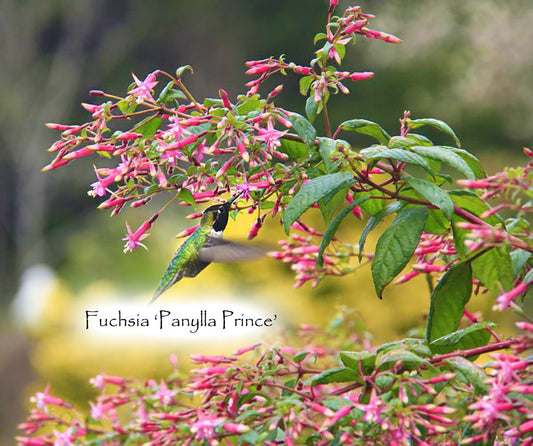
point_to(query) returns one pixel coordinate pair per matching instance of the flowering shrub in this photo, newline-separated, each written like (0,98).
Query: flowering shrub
(160,139)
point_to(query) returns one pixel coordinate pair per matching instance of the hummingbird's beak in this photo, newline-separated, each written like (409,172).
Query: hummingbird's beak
(230,202)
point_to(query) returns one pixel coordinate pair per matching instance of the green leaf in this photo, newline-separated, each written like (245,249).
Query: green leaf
(186,196)
(435,123)
(446,156)
(127,106)
(168,94)
(433,193)
(312,108)
(366,128)
(331,202)
(402,155)
(313,191)
(472,203)
(299,357)
(437,223)
(332,228)
(409,360)
(248,105)
(494,269)
(336,375)
(295,149)
(372,150)
(421,139)
(374,221)
(325,147)
(471,337)
(149,126)
(468,372)
(373,206)
(357,361)
(396,246)
(519,258)
(305,83)
(401,142)
(448,301)
(182,69)
(471,160)
(303,128)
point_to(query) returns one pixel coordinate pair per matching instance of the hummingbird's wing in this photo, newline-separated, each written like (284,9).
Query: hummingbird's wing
(220,250)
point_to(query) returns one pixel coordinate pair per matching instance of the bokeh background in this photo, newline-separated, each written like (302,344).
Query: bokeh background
(468,63)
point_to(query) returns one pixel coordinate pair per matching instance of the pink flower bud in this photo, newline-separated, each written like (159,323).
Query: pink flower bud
(243,350)
(302,70)
(355,26)
(258,69)
(275,92)
(225,98)
(361,76)
(194,216)
(77,154)
(126,136)
(214,359)
(53,126)
(139,203)
(236,428)
(255,228)
(111,203)
(96,93)
(224,168)
(322,410)
(187,232)
(373,34)
(474,184)
(525,326)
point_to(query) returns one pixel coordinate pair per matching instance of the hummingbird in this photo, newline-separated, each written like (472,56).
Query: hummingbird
(203,246)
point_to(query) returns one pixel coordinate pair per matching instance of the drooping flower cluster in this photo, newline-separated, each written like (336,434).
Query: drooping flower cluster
(391,394)
(302,251)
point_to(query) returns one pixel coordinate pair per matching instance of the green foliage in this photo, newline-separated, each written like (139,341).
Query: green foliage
(396,246)
(313,191)
(448,301)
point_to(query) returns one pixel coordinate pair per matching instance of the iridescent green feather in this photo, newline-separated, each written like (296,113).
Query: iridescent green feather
(185,262)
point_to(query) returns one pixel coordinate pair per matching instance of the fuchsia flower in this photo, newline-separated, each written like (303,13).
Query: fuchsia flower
(270,136)
(143,90)
(204,428)
(504,300)
(43,399)
(133,239)
(164,394)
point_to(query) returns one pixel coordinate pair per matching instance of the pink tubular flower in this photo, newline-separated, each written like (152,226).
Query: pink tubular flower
(243,350)
(143,90)
(204,428)
(164,394)
(99,381)
(270,136)
(133,239)
(505,299)
(43,399)
(100,410)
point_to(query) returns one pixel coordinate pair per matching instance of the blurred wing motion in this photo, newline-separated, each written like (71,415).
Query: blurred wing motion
(224,251)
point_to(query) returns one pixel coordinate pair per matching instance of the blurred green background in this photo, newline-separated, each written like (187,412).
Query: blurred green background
(468,63)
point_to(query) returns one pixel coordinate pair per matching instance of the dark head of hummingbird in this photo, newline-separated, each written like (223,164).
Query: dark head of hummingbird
(217,216)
